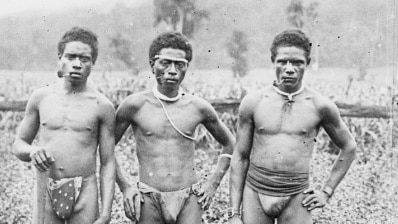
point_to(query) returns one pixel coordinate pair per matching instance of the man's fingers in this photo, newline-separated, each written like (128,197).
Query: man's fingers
(37,161)
(309,191)
(201,199)
(315,205)
(206,203)
(308,199)
(127,208)
(137,206)
(38,167)
(43,158)
(50,158)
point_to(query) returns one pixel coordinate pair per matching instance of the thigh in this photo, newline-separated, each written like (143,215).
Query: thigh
(42,209)
(191,211)
(150,211)
(295,212)
(252,211)
(86,208)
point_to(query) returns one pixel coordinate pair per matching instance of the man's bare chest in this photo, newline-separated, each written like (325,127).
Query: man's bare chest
(276,117)
(69,114)
(153,119)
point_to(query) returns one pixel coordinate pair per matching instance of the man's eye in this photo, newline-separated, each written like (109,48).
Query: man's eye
(283,62)
(297,63)
(165,62)
(180,64)
(85,59)
(70,57)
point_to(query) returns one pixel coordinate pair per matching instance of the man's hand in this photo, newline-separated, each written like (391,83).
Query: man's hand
(235,220)
(41,159)
(315,199)
(206,194)
(132,200)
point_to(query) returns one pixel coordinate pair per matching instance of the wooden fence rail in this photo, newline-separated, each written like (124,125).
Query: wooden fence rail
(231,105)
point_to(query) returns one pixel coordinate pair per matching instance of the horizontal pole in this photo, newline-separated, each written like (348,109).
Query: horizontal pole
(232,105)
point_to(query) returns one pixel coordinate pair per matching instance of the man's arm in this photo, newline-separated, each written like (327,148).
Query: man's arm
(222,134)
(340,135)
(131,196)
(108,162)
(123,121)
(27,131)
(241,156)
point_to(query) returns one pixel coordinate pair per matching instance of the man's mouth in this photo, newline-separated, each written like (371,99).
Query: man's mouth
(75,74)
(171,81)
(288,79)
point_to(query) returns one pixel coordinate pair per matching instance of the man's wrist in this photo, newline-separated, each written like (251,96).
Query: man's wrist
(328,190)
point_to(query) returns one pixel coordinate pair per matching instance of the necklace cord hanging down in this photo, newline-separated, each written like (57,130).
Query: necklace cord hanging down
(160,96)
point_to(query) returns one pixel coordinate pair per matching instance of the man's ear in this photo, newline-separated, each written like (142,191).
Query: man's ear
(272,59)
(152,63)
(308,60)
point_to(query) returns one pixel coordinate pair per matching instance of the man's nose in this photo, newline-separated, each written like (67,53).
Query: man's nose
(172,69)
(289,68)
(76,63)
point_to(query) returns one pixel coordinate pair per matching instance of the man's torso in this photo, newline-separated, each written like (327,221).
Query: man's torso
(284,135)
(69,131)
(166,157)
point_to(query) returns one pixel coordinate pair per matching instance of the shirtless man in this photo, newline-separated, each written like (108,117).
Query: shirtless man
(164,120)
(276,135)
(74,121)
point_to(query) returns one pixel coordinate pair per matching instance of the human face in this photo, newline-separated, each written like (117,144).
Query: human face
(169,67)
(76,61)
(290,63)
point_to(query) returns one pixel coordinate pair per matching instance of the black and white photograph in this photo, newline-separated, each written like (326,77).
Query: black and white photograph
(198,112)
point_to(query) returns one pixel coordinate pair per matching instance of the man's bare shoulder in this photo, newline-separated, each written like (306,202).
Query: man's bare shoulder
(251,100)
(201,104)
(323,104)
(136,100)
(40,93)
(102,101)
(319,100)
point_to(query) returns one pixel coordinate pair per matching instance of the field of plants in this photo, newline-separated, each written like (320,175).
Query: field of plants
(368,194)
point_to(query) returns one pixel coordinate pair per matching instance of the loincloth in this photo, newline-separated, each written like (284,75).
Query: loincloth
(63,195)
(170,203)
(276,183)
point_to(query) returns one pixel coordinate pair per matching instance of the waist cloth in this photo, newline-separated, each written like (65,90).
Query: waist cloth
(63,195)
(275,182)
(169,203)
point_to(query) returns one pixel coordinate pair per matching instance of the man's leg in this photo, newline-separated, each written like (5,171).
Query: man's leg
(42,209)
(191,212)
(86,208)
(295,212)
(252,210)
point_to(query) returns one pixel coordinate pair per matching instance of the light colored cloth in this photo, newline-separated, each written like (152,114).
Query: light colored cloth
(63,195)
(276,183)
(168,204)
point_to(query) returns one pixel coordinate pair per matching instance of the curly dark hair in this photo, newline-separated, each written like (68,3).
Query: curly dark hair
(291,37)
(170,40)
(83,35)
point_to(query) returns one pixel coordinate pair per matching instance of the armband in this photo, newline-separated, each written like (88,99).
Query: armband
(231,212)
(229,156)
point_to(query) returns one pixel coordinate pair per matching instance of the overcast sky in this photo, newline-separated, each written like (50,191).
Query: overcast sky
(10,7)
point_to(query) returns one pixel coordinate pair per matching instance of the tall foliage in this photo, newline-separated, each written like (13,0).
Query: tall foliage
(237,47)
(180,15)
